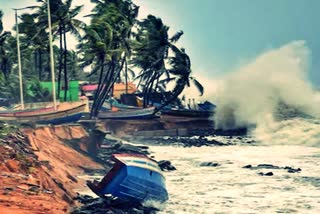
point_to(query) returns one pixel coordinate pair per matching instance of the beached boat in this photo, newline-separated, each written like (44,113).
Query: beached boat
(109,105)
(65,113)
(204,110)
(25,112)
(141,113)
(133,178)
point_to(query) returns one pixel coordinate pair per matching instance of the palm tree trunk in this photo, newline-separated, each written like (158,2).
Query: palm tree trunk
(110,82)
(66,83)
(107,87)
(173,97)
(60,61)
(35,59)
(40,65)
(93,110)
(148,90)
(126,75)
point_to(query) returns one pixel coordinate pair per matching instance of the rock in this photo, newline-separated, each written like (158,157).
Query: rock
(292,170)
(166,165)
(109,205)
(270,166)
(250,141)
(269,174)
(209,164)
(266,174)
(267,166)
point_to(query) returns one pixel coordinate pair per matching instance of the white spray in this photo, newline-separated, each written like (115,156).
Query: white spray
(252,94)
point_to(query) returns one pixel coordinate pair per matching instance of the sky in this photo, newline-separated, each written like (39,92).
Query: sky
(223,35)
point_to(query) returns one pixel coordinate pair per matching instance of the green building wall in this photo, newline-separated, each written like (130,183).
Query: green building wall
(72,92)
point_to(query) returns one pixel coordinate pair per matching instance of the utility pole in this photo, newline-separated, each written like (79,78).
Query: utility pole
(51,58)
(18,52)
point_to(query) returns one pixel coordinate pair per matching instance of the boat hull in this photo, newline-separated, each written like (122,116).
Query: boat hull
(61,120)
(147,113)
(26,112)
(135,180)
(61,115)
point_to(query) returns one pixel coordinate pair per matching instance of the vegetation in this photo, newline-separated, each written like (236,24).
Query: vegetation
(112,46)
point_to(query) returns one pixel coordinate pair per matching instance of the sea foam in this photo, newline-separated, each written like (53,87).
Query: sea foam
(268,94)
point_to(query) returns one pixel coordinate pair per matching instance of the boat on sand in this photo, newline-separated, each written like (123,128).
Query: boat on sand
(129,114)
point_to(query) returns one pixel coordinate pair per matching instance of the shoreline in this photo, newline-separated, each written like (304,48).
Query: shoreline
(59,155)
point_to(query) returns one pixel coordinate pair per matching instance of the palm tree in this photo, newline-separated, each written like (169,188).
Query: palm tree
(67,23)
(5,53)
(76,71)
(151,54)
(63,22)
(106,44)
(181,70)
(35,39)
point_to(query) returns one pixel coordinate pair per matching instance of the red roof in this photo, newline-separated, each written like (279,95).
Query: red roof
(117,87)
(89,87)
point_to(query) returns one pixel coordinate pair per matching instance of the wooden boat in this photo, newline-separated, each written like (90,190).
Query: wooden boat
(108,104)
(26,112)
(120,106)
(66,113)
(133,178)
(143,113)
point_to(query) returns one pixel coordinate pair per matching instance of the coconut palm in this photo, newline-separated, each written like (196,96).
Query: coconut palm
(6,63)
(68,23)
(181,71)
(106,44)
(63,22)
(5,53)
(160,61)
(35,39)
(151,53)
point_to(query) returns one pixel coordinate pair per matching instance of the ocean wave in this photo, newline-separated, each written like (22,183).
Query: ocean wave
(272,94)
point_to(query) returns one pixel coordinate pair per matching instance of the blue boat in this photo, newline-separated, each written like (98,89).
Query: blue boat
(133,179)
(133,114)
(62,120)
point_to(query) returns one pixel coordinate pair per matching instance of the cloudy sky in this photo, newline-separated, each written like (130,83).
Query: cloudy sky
(222,35)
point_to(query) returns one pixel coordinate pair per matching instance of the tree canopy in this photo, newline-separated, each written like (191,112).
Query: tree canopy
(115,47)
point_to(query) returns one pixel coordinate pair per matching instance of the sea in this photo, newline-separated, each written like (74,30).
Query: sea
(273,97)
(231,188)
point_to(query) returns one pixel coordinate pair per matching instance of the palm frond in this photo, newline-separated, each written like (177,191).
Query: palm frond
(198,85)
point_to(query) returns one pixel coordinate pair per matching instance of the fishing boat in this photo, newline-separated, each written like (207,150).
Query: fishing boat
(114,103)
(133,178)
(65,113)
(142,113)
(25,112)
(203,110)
